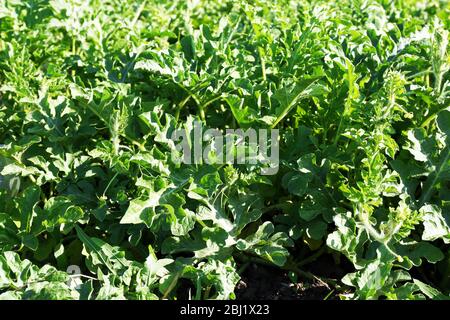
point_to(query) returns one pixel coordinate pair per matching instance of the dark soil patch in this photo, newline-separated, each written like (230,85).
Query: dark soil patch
(326,267)
(265,283)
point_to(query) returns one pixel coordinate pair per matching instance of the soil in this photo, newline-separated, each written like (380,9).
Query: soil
(259,282)
(265,283)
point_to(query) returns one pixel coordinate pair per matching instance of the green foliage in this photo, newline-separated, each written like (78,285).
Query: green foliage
(90,92)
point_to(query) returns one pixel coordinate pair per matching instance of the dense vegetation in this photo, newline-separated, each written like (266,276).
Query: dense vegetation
(90,91)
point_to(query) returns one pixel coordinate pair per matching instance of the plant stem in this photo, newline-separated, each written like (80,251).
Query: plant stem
(110,182)
(138,14)
(172,285)
(312,257)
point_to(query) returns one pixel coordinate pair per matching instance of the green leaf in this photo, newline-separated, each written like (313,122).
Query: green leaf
(102,254)
(30,241)
(419,251)
(26,204)
(267,244)
(435,225)
(430,292)
(288,98)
